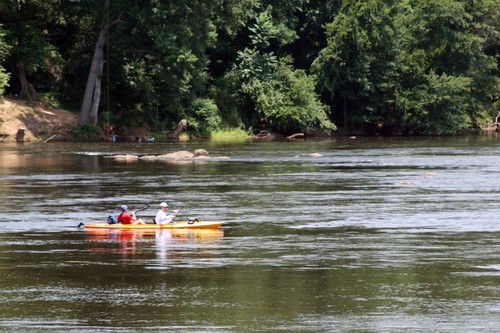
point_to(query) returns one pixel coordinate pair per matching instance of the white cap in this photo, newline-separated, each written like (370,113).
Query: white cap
(164,204)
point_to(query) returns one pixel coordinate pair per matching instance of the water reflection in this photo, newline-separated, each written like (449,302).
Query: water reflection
(167,244)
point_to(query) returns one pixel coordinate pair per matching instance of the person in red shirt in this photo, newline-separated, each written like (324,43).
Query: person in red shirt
(126,218)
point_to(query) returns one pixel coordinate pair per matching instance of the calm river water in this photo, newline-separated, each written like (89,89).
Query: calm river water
(374,235)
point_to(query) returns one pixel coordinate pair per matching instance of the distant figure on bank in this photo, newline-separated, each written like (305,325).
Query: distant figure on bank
(125,218)
(162,217)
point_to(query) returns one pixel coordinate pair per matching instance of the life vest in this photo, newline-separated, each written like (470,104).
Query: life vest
(120,220)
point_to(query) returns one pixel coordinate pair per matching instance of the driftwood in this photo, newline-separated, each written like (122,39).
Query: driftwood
(296,135)
(177,132)
(496,124)
(492,127)
(20,135)
(47,140)
(262,135)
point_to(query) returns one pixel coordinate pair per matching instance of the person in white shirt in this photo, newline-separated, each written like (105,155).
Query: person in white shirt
(162,217)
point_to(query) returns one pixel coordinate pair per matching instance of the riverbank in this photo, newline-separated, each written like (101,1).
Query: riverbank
(42,123)
(39,122)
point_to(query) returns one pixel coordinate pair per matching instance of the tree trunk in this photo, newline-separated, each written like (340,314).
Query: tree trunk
(177,132)
(346,120)
(20,135)
(92,97)
(27,89)
(97,97)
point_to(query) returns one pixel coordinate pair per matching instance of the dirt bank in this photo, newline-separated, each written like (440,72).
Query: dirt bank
(40,123)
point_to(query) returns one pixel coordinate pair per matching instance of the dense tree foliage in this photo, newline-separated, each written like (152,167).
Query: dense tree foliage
(4,47)
(30,29)
(369,66)
(409,66)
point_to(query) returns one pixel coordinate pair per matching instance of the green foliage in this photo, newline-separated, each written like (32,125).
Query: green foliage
(4,49)
(230,135)
(87,132)
(288,101)
(254,64)
(357,66)
(30,33)
(166,69)
(415,66)
(446,76)
(156,135)
(4,81)
(228,98)
(50,99)
(437,107)
(204,117)
(282,95)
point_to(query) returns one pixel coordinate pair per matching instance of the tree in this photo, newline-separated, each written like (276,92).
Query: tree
(357,68)
(160,61)
(447,81)
(92,96)
(4,49)
(282,95)
(28,32)
(407,67)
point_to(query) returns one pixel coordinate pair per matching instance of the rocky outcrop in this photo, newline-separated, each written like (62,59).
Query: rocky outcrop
(200,153)
(178,156)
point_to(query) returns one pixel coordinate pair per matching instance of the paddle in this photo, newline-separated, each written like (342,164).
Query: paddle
(146,206)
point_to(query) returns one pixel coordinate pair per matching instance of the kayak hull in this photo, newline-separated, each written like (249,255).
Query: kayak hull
(174,225)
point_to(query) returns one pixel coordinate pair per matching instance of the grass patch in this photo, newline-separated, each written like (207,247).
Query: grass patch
(230,134)
(183,137)
(156,135)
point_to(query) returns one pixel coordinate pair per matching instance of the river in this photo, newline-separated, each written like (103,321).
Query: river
(364,235)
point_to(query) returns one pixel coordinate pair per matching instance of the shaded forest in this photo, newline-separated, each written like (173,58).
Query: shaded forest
(359,67)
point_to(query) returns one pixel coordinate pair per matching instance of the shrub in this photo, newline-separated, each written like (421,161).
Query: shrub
(88,132)
(204,116)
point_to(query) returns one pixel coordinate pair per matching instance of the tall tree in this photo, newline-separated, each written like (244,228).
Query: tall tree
(357,67)
(4,49)
(170,63)
(28,26)
(407,67)
(282,95)
(447,79)
(92,96)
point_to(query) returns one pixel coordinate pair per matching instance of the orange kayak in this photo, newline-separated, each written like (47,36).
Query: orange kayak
(196,224)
